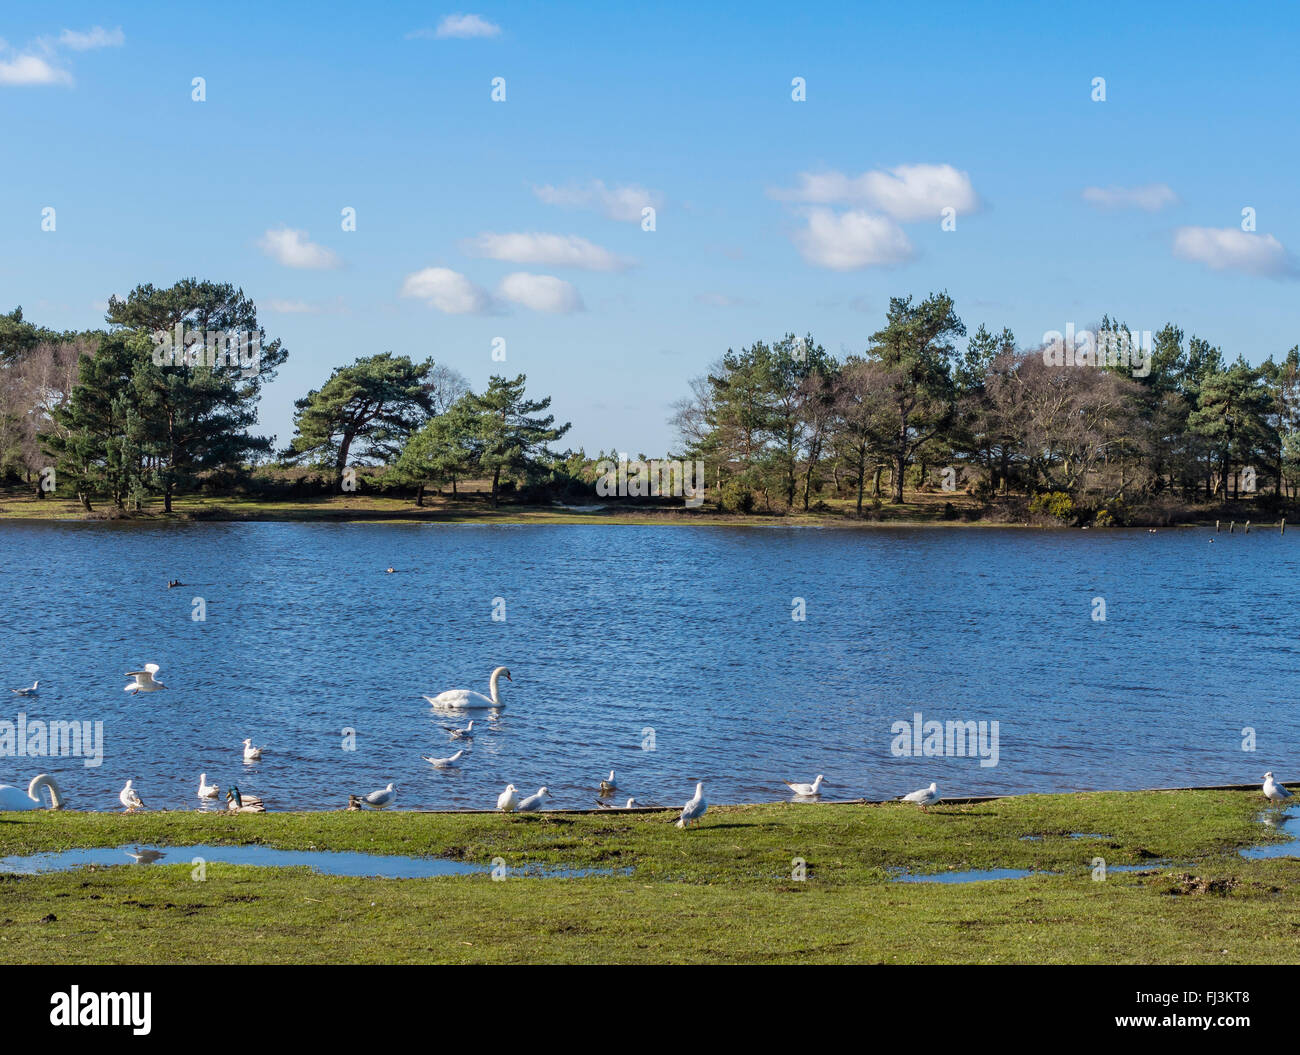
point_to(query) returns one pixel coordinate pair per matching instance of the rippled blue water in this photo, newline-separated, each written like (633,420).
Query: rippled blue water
(613,630)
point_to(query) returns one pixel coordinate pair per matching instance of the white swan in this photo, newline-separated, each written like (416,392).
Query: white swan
(508,799)
(807,790)
(206,790)
(607,786)
(694,809)
(129,798)
(144,680)
(533,803)
(444,763)
(383,797)
(464,699)
(12,798)
(925,797)
(27,692)
(251,753)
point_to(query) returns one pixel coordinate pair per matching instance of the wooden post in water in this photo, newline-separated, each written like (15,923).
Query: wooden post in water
(1232,527)
(1283,527)
(1216,527)
(1247,527)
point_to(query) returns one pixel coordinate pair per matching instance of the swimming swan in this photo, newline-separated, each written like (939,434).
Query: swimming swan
(464,699)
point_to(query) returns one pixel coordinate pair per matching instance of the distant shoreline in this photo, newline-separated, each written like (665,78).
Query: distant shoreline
(923,511)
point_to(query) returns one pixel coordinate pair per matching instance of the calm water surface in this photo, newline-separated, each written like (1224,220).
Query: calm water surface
(611,631)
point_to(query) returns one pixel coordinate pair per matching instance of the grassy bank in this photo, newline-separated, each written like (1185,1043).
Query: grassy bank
(723,892)
(920,509)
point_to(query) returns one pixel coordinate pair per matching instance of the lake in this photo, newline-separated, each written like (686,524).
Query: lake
(623,638)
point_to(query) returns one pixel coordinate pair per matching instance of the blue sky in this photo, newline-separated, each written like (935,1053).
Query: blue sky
(770,215)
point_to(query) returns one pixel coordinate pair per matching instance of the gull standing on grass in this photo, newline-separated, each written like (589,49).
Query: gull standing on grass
(533,803)
(144,680)
(206,790)
(806,790)
(377,800)
(27,692)
(695,809)
(1273,791)
(925,797)
(508,799)
(444,763)
(128,798)
(251,753)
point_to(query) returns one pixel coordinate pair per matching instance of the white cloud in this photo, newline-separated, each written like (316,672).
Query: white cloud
(906,192)
(1232,249)
(623,202)
(548,250)
(293,249)
(99,37)
(540,292)
(852,240)
(1150,197)
(448,291)
(459,27)
(31,70)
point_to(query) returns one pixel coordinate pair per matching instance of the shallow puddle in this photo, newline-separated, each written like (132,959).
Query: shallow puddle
(974,876)
(326,862)
(1287,825)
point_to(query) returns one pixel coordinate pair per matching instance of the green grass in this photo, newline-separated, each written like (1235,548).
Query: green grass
(721,893)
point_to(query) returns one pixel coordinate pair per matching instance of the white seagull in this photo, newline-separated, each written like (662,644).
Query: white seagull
(444,763)
(508,799)
(206,790)
(630,805)
(815,788)
(533,803)
(27,692)
(925,797)
(130,799)
(251,753)
(1273,791)
(607,786)
(377,800)
(459,734)
(695,809)
(145,857)
(144,680)
(464,699)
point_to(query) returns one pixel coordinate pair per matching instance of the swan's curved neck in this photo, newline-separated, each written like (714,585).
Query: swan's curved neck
(493,692)
(45,781)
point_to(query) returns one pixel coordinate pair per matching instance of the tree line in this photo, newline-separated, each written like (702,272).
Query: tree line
(128,413)
(153,405)
(784,421)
